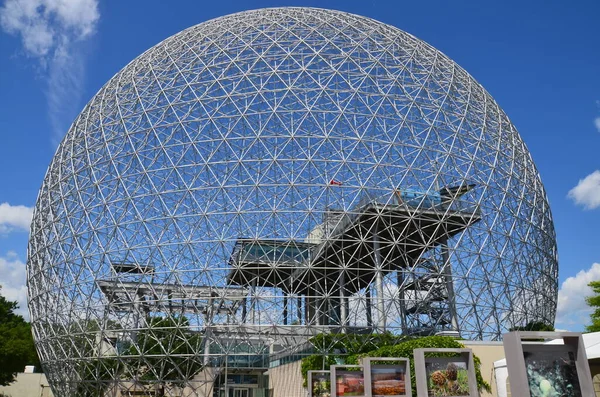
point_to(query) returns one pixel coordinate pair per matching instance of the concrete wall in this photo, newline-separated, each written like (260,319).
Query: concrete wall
(28,385)
(488,352)
(286,381)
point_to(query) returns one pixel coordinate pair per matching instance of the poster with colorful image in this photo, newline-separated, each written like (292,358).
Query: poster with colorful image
(349,383)
(551,371)
(319,383)
(388,380)
(446,377)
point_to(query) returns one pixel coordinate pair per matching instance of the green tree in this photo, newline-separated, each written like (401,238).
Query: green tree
(16,343)
(534,326)
(166,352)
(594,303)
(336,347)
(405,349)
(96,375)
(93,375)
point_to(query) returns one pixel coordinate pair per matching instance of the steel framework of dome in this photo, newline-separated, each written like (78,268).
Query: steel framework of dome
(267,176)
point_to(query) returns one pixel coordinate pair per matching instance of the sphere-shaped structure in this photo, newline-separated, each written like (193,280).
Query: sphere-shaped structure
(267,176)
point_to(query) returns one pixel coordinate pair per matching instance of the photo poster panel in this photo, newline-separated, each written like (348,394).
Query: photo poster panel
(445,372)
(551,370)
(387,376)
(538,368)
(319,384)
(347,381)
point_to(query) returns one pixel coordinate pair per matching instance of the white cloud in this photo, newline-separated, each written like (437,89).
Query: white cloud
(587,191)
(597,123)
(14,217)
(572,310)
(12,280)
(53,32)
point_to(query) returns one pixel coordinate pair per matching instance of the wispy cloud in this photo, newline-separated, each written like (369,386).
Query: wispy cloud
(572,311)
(53,31)
(597,119)
(13,281)
(587,191)
(14,217)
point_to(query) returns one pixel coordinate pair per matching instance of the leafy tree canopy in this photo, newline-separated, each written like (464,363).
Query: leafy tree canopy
(16,343)
(163,352)
(405,349)
(594,302)
(332,347)
(534,326)
(166,352)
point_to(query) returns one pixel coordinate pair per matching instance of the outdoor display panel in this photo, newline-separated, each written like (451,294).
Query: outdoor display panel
(538,369)
(319,384)
(445,372)
(347,380)
(390,380)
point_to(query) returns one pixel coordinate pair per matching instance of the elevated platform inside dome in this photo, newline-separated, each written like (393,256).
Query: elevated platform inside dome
(351,252)
(402,233)
(268,262)
(126,296)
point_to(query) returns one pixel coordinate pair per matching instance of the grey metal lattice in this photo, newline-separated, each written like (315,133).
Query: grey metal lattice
(269,175)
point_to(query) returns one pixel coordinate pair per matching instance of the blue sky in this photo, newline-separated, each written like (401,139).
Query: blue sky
(538,59)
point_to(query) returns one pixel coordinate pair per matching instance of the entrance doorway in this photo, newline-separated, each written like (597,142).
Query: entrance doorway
(239,393)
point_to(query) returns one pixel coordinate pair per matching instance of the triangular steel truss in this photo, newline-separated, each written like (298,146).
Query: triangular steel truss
(268,176)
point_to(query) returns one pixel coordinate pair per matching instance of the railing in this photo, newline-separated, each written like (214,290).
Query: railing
(271,252)
(335,222)
(410,199)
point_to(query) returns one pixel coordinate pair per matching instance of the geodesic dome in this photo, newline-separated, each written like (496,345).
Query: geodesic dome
(267,176)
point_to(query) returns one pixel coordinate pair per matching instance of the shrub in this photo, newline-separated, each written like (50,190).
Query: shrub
(332,347)
(351,348)
(405,349)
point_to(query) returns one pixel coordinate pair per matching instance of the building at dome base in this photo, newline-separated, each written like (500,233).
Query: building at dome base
(272,175)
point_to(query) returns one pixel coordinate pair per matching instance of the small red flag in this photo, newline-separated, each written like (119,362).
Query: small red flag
(334,182)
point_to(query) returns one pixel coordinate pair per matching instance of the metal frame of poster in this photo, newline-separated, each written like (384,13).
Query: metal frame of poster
(569,357)
(443,380)
(335,369)
(394,364)
(310,381)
